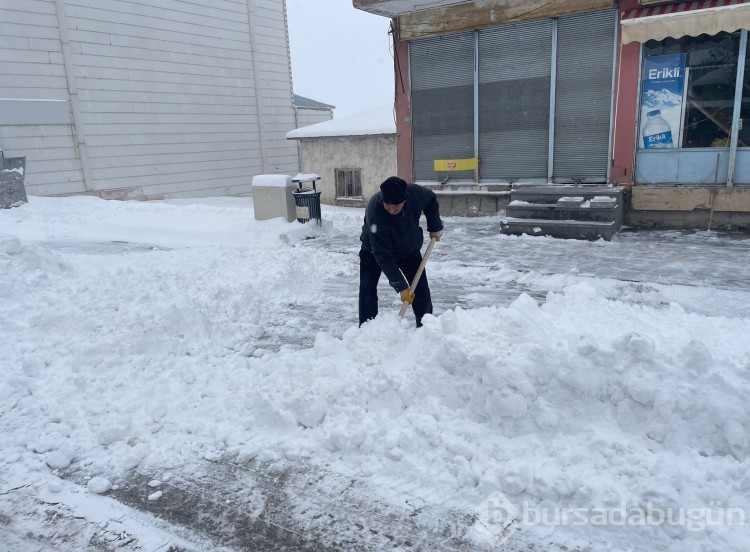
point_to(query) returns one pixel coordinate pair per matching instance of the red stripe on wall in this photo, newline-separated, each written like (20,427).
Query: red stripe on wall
(679,7)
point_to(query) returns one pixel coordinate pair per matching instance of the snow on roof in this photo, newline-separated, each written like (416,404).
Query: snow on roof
(375,121)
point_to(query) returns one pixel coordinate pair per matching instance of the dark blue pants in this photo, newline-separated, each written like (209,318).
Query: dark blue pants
(369,275)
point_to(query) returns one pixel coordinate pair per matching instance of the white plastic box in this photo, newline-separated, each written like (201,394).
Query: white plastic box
(272,197)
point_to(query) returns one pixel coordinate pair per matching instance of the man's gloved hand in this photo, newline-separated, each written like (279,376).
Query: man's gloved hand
(407,296)
(436,235)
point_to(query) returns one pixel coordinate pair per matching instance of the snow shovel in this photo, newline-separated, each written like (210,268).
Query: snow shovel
(418,275)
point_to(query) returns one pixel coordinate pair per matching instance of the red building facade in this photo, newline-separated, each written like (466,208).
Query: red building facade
(644,94)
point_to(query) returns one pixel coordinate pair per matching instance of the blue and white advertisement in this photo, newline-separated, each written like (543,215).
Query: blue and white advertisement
(662,97)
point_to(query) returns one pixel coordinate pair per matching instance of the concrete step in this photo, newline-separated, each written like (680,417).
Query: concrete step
(550,194)
(566,229)
(550,211)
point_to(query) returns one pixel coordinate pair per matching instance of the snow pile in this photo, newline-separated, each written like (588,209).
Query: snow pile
(152,358)
(17,258)
(556,406)
(18,170)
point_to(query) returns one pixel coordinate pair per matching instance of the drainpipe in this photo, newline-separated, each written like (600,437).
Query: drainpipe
(299,142)
(552,105)
(476,104)
(258,102)
(78,131)
(615,70)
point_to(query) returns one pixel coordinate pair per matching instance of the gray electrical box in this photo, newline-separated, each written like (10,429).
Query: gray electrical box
(12,189)
(272,197)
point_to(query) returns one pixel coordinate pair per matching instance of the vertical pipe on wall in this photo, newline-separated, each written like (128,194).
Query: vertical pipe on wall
(405,98)
(638,108)
(738,87)
(610,147)
(291,86)
(258,100)
(552,103)
(476,103)
(80,135)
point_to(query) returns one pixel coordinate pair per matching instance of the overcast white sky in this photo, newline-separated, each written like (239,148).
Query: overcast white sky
(340,55)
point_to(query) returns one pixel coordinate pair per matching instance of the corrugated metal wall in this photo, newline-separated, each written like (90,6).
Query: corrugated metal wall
(585,46)
(173,98)
(442,96)
(514,88)
(514,75)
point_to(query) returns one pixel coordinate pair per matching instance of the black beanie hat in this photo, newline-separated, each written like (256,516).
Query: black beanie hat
(393,190)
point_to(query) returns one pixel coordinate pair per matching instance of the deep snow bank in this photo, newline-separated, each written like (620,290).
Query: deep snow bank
(580,403)
(149,359)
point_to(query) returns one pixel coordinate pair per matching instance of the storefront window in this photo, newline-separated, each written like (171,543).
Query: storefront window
(687,95)
(744,134)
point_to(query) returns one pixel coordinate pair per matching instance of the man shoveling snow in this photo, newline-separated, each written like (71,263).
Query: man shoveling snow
(391,243)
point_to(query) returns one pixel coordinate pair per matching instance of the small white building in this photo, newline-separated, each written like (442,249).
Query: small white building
(146,99)
(352,155)
(309,112)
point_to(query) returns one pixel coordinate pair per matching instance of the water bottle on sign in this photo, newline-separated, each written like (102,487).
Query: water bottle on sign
(656,132)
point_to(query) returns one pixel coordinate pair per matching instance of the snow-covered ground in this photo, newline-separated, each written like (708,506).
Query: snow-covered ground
(157,351)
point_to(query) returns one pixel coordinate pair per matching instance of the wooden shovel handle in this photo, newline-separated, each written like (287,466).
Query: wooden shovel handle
(418,275)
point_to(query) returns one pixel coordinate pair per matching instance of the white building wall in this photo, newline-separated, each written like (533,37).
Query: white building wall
(32,67)
(171,98)
(273,84)
(306,117)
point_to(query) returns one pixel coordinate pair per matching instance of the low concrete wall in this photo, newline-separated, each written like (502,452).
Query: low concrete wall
(689,198)
(693,220)
(689,207)
(476,204)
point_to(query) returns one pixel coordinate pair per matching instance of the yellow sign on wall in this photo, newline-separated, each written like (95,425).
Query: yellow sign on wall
(443,165)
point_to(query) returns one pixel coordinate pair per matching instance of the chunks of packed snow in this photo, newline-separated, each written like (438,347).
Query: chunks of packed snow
(98,485)
(17,258)
(59,459)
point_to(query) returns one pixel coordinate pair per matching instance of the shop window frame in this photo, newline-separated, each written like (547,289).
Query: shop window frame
(691,104)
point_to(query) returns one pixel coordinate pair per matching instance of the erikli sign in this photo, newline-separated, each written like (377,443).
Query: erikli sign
(655,74)
(662,93)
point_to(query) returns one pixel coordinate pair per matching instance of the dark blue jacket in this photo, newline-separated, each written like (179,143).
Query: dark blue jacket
(391,238)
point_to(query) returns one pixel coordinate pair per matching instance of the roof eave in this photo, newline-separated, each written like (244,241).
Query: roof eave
(394,8)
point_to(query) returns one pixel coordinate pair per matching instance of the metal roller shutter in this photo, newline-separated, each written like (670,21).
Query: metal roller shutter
(442,98)
(584,96)
(514,89)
